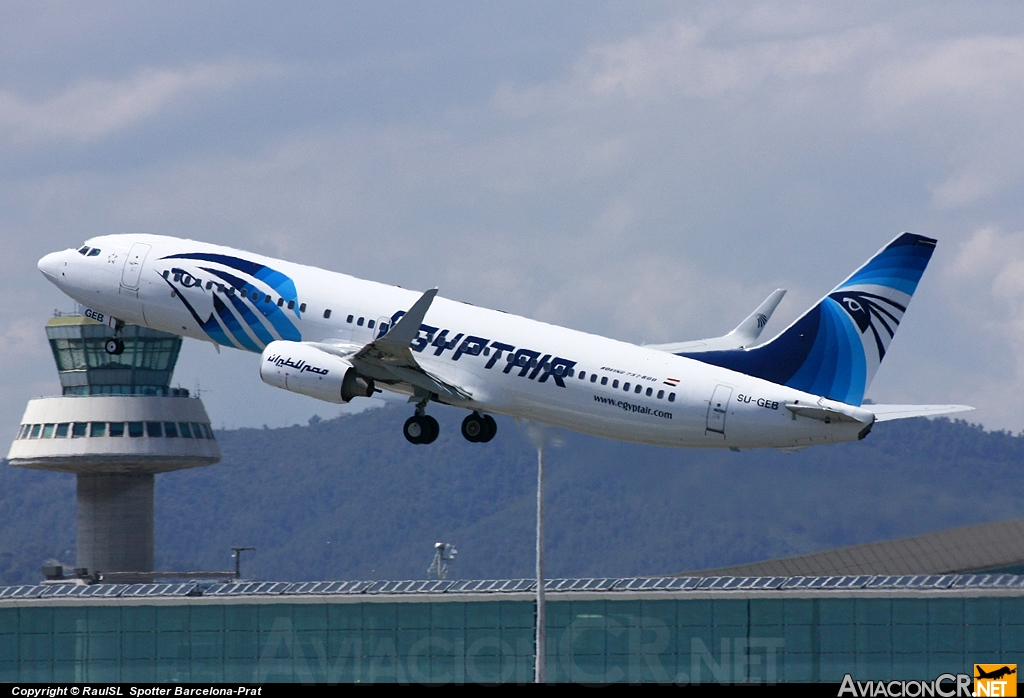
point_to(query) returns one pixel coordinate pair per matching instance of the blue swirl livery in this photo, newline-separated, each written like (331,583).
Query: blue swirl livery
(246,309)
(835,348)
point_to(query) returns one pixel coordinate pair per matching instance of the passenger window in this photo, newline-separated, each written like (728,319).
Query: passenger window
(231,290)
(370,324)
(167,273)
(360,322)
(154,429)
(291,305)
(171,430)
(97,429)
(209,285)
(280,302)
(255,296)
(661,394)
(487,351)
(244,293)
(35,431)
(327,314)
(638,389)
(47,431)
(671,397)
(604,380)
(136,429)
(583,375)
(650,391)
(116,429)
(78,429)
(94,252)
(615,383)
(302,308)
(268,299)
(593,377)
(625,386)
(350,318)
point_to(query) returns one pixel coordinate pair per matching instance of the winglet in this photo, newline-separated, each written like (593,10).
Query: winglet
(747,332)
(401,335)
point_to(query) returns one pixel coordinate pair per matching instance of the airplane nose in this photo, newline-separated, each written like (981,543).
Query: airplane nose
(50,266)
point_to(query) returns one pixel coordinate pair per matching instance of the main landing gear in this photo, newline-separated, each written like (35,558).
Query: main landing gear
(479,428)
(421,429)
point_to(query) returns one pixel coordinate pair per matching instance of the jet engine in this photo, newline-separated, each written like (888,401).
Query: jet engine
(306,370)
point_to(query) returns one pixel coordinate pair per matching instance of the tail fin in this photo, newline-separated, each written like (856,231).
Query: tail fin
(835,348)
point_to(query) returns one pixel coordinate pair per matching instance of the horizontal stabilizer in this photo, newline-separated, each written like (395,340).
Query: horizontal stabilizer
(846,413)
(745,334)
(886,413)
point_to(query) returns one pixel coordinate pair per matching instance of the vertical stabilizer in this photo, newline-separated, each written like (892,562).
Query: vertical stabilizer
(835,348)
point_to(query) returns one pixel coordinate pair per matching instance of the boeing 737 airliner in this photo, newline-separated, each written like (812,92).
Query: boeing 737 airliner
(334,337)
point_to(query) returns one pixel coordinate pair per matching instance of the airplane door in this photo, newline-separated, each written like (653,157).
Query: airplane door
(717,409)
(133,266)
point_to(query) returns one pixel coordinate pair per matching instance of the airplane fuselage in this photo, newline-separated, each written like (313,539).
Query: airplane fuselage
(502,363)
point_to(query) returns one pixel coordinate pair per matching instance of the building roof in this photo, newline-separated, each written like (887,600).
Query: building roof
(977,548)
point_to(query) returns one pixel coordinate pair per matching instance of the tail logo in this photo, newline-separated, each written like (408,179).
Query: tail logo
(870,312)
(762,320)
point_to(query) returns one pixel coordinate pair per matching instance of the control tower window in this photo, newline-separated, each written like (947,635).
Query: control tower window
(154,429)
(47,431)
(117,429)
(35,431)
(136,429)
(184,430)
(171,430)
(78,429)
(98,429)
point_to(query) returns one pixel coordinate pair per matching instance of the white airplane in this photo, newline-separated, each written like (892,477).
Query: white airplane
(335,338)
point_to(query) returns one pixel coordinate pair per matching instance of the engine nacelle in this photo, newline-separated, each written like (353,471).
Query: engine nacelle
(306,370)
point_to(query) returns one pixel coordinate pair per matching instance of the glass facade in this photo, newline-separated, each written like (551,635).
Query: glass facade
(143,368)
(601,640)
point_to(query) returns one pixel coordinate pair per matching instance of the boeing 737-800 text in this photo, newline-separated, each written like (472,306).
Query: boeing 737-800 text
(334,337)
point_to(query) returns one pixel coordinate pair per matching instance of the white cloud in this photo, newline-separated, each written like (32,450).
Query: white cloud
(91,109)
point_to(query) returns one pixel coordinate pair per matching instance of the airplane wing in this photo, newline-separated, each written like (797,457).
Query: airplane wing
(885,413)
(745,334)
(389,359)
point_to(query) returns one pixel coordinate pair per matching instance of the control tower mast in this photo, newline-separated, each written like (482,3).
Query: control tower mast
(117,424)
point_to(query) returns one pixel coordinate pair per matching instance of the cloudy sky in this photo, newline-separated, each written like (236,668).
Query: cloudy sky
(648,171)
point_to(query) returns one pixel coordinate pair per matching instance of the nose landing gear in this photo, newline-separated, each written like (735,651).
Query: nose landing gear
(479,428)
(114,346)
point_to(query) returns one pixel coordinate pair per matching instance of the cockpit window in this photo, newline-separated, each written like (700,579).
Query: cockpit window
(84,250)
(93,252)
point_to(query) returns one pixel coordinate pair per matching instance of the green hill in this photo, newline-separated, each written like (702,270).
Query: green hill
(349,498)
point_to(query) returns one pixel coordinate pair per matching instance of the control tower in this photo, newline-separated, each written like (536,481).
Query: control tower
(117,424)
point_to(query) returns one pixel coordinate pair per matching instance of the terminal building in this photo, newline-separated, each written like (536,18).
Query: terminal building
(698,628)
